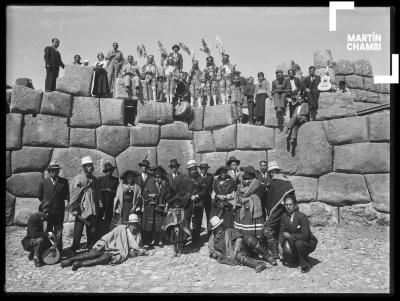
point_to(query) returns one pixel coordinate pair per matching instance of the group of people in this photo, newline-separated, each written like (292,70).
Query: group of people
(244,208)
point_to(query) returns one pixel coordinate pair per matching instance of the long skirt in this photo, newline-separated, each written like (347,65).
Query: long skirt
(225,213)
(151,219)
(100,84)
(126,210)
(260,105)
(247,225)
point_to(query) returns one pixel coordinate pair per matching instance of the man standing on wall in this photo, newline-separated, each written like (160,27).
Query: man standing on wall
(311,83)
(53,62)
(115,60)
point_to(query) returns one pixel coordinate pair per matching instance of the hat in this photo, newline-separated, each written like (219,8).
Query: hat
(273,165)
(150,55)
(44,205)
(215,222)
(210,56)
(225,54)
(85,61)
(231,159)
(249,170)
(173,162)
(176,46)
(144,163)
(115,43)
(278,71)
(77,55)
(125,174)
(159,167)
(53,165)
(218,172)
(107,166)
(191,163)
(86,160)
(133,218)
(203,164)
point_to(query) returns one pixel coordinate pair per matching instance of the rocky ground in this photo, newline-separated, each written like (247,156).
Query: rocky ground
(348,259)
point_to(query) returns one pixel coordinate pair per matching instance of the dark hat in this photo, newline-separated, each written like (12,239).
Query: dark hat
(144,163)
(115,43)
(77,55)
(176,46)
(210,56)
(203,164)
(278,71)
(231,159)
(53,165)
(221,168)
(107,166)
(44,205)
(125,174)
(159,167)
(173,162)
(249,172)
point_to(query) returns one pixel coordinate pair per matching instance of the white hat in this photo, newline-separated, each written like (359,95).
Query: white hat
(191,163)
(86,160)
(272,165)
(133,218)
(215,222)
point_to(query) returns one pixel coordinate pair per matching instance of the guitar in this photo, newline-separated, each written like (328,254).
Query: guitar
(325,84)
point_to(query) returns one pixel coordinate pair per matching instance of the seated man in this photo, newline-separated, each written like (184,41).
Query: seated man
(113,248)
(230,247)
(131,74)
(342,89)
(295,228)
(36,240)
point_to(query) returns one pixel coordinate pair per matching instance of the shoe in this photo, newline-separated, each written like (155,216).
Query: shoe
(30,256)
(260,267)
(37,263)
(306,269)
(161,245)
(76,265)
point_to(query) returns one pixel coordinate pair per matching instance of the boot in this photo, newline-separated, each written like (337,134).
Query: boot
(251,262)
(265,253)
(93,253)
(102,259)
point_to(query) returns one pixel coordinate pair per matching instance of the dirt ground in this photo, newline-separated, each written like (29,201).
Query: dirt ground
(348,259)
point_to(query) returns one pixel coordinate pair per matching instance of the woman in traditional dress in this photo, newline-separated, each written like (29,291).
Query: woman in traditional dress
(223,197)
(260,95)
(100,81)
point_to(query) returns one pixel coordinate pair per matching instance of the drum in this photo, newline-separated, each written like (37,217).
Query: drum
(289,251)
(183,111)
(51,255)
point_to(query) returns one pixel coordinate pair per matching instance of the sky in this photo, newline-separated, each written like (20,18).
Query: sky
(257,38)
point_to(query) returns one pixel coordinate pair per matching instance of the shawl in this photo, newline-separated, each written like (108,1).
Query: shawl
(253,200)
(85,193)
(280,187)
(119,197)
(226,188)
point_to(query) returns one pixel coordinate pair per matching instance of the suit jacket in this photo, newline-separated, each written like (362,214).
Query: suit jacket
(311,85)
(139,181)
(264,184)
(296,83)
(34,229)
(175,183)
(53,58)
(197,186)
(275,86)
(179,60)
(303,111)
(299,228)
(209,178)
(54,194)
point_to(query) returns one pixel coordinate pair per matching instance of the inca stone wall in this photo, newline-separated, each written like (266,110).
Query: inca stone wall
(340,169)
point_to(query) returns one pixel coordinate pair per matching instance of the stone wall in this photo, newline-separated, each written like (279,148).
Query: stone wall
(341,160)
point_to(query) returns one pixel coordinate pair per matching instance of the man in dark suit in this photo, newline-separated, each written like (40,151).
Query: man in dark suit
(175,177)
(295,228)
(207,199)
(295,87)
(55,190)
(280,87)
(178,59)
(144,176)
(311,83)
(265,179)
(36,240)
(53,62)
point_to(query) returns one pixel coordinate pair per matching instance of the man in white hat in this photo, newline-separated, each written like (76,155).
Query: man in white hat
(55,190)
(86,203)
(230,247)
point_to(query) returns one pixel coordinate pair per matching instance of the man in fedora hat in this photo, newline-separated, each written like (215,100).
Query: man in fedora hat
(178,59)
(144,176)
(209,178)
(279,187)
(108,188)
(233,165)
(174,177)
(86,203)
(229,246)
(55,190)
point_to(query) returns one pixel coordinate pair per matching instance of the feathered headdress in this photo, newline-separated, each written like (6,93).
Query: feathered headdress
(141,50)
(205,49)
(219,45)
(163,51)
(187,50)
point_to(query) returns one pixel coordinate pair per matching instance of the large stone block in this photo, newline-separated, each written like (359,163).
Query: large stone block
(132,156)
(365,96)
(247,158)
(370,86)
(145,135)
(177,130)
(379,126)
(306,188)
(25,100)
(85,138)
(120,91)
(77,80)
(70,161)
(354,81)
(8,164)
(24,207)
(319,214)
(340,189)
(23,81)
(218,116)
(215,160)
(57,104)
(384,98)
(362,158)
(13,131)
(254,137)
(31,159)
(281,155)
(379,190)
(339,107)
(347,130)
(9,209)
(359,106)
(182,150)
(270,115)
(385,88)
(344,67)
(361,214)
(313,149)
(85,112)
(225,138)
(362,67)
(112,140)
(112,111)
(196,120)
(154,112)
(24,184)
(46,130)
(322,58)
(204,142)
